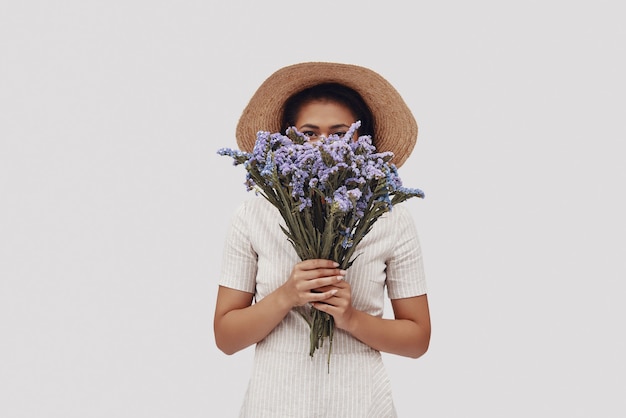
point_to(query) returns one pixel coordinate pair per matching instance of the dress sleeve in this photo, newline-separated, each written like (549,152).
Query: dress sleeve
(239,260)
(405,269)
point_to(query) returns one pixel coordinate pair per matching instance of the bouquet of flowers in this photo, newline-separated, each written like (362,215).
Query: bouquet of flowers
(329,193)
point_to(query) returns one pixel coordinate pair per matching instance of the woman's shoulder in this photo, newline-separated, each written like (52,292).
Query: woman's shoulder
(398,221)
(255,202)
(400,213)
(255,207)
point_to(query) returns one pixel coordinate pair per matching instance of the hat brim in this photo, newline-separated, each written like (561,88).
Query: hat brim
(395,126)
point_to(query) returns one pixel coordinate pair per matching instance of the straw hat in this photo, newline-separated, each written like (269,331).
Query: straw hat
(395,126)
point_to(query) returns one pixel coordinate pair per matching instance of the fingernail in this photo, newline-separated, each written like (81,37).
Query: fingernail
(339,277)
(332,292)
(342,272)
(335,264)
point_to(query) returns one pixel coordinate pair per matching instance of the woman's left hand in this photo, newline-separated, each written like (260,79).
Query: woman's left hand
(408,334)
(339,305)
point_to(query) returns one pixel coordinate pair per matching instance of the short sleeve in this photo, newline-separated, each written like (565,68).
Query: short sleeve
(239,260)
(405,268)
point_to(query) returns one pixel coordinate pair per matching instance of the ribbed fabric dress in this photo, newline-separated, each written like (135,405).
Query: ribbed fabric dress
(285,380)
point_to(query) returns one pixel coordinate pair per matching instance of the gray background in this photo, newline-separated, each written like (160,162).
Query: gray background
(114,203)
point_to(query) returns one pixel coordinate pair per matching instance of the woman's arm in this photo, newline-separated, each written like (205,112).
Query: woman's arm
(238,323)
(406,335)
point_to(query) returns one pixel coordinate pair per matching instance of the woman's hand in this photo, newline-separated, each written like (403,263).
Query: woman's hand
(408,334)
(312,281)
(339,305)
(240,323)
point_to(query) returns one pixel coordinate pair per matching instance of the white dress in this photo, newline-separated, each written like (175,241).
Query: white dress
(286,381)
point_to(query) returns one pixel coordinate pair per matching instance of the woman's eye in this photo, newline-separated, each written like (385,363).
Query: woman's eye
(340,134)
(309,134)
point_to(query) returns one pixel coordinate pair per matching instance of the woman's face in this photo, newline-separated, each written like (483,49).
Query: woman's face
(323,118)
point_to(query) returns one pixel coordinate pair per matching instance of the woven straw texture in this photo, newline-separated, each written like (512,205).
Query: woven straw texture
(395,126)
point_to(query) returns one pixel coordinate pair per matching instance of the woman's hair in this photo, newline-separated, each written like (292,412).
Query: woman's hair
(333,92)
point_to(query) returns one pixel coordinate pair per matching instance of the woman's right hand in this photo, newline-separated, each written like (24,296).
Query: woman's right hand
(309,275)
(240,323)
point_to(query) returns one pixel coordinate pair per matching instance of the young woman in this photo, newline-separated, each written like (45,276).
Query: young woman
(263,282)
